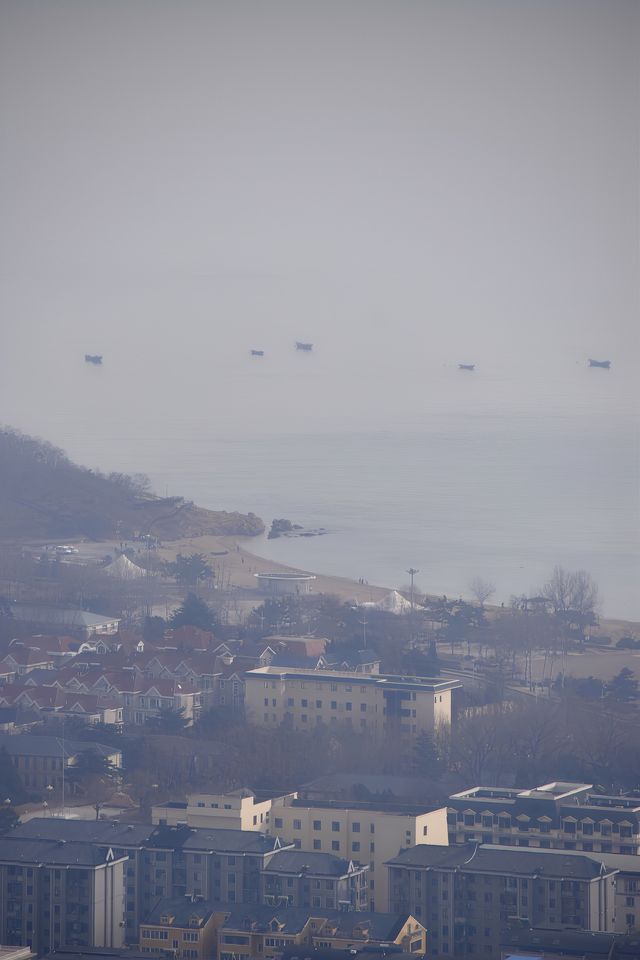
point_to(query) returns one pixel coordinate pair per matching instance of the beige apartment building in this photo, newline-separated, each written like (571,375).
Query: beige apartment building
(370,703)
(361,832)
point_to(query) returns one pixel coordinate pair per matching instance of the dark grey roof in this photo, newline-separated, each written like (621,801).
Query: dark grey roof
(62,616)
(624,862)
(231,841)
(286,659)
(587,805)
(51,852)
(582,944)
(28,745)
(387,787)
(366,951)
(472,858)
(381,926)
(182,908)
(107,832)
(313,864)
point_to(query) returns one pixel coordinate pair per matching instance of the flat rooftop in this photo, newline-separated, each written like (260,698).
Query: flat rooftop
(384,681)
(374,806)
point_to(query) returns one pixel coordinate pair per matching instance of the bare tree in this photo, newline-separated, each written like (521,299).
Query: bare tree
(569,591)
(481,589)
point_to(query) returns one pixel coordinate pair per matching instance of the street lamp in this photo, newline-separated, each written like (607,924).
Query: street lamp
(412,572)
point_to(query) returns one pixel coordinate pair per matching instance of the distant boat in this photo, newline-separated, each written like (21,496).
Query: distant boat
(466,366)
(257,353)
(93,358)
(600,363)
(304,346)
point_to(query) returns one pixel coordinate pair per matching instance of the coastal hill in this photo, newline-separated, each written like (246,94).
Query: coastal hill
(44,495)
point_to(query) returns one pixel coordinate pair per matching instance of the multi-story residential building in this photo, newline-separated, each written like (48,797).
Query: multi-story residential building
(298,878)
(371,703)
(568,816)
(54,895)
(52,701)
(40,760)
(627,885)
(366,832)
(182,928)
(130,840)
(227,865)
(254,933)
(466,894)
(144,700)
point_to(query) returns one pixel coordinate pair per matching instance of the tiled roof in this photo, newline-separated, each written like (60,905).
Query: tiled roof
(316,863)
(520,861)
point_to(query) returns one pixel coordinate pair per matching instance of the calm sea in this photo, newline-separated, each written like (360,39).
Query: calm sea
(501,473)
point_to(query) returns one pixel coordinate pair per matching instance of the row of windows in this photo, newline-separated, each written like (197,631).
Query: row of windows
(544,826)
(336,825)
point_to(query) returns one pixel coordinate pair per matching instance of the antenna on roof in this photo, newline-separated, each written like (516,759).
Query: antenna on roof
(475,850)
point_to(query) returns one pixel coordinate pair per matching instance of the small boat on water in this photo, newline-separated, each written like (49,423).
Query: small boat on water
(304,346)
(257,353)
(93,358)
(466,366)
(605,364)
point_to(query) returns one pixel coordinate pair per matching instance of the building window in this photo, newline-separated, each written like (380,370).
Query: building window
(334,704)
(348,706)
(278,823)
(317,825)
(304,703)
(355,847)
(297,824)
(319,704)
(335,826)
(335,844)
(317,844)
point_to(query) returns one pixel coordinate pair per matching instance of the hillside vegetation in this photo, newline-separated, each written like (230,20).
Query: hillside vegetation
(44,495)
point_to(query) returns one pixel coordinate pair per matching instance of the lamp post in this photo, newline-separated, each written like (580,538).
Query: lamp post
(412,572)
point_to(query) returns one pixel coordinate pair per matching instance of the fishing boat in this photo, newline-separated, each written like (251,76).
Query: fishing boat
(304,346)
(257,353)
(93,358)
(600,363)
(466,366)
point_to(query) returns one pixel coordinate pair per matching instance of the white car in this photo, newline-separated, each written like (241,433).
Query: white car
(66,549)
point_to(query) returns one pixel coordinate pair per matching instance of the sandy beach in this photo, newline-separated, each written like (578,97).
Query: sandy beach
(237,566)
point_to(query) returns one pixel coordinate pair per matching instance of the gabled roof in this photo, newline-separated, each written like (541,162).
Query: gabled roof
(232,841)
(54,852)
(299,862)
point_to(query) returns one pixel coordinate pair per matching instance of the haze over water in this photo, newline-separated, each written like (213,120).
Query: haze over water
(406,185)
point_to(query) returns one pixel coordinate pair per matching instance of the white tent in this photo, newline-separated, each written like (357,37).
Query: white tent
(125,569)
(394,602)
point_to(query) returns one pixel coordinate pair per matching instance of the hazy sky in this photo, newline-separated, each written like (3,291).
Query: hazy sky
(442,180)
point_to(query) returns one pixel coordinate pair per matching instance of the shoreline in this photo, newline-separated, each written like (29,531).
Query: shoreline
(240,564)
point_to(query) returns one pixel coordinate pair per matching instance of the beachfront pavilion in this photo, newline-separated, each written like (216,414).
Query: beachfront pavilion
(285,584)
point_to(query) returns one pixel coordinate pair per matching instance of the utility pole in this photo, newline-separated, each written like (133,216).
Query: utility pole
(412,572)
